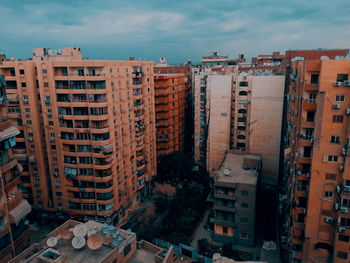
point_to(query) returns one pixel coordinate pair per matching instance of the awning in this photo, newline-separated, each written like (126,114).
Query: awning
(19,212)
(12,98)
(32,159)
(107,148)
(8,133)
(20,156)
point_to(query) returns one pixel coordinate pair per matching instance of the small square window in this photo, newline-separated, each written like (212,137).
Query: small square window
(338,118)
(21,71)
(51,123)
(244,193)
(46,84)
(23,84)
(243,236)
(328,194)
(244,205)
(44,71)
(335,139)
(339,98)
(29,122)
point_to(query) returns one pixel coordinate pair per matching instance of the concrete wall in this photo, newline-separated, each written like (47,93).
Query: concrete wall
(266,122)
(219,100)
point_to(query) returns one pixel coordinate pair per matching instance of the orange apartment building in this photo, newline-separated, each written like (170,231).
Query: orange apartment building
(170,93)
(317,159)
(87,132)
(13,208)
(164,68)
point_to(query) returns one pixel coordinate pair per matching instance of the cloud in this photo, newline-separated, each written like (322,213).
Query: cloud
(178,30)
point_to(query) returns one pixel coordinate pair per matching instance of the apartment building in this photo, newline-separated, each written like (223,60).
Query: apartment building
(170,92)
(164,68)
(316,166)
(238,111)
(13,208)
(87,132)
(234,193)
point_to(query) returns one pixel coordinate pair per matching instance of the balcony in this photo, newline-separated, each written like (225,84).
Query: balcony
(307,124)
(223,222)
(224,196)
(162,108)
(161,92)
(224,208)
(311,87)
(309,105)
(162,123)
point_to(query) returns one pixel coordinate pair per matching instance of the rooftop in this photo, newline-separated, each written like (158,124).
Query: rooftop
(238,168)
(58,246)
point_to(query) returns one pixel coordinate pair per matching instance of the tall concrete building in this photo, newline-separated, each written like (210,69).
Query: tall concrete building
(234,194)
(170,101)
(87,132)
(238,111)
(13,208)
(316,167)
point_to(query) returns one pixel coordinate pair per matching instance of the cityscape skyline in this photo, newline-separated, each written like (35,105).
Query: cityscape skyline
(117,29)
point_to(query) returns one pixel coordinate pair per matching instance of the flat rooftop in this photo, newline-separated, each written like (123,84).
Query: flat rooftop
(232,169)
(41,252)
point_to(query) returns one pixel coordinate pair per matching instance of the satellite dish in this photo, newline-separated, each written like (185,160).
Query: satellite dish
(66,234)
(80,230)
(226,172)
(51,242)
(78,242)
(94,242)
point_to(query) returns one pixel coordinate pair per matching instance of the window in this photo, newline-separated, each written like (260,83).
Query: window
(244,205)
(332,158)
(244,193)
(46,84)
(23,84)
(338,118)
(21,71)
(29,122)
(339,98)
(343,238)
(335,139)
(224,230)
(345,202)
(342,77)
(44,71)
(332,177)
(52,135)
(53,147)
(127,249)
(59,194)
(345,222)
(347,182)
(302,185)
(314,78)
(19,122)
(243,84)
(328,194)
(343,255)
(310,116)
(51,123)
(312,97)
(244,220)
(243,236)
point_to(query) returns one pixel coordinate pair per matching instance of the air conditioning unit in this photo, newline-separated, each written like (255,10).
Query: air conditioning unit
(52,139)
(55,174)
(347,111)
(338,189)
(346,83)
(343,210)
(341,168)
(49,114)
(27,114)
(336,106)
(346,188)
(25,101)
(343,151)
(341,229)
(328,219)
(312,140)
(30,139)
(337,84)
(336,206)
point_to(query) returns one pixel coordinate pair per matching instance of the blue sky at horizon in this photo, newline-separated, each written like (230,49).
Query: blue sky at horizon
(178,30)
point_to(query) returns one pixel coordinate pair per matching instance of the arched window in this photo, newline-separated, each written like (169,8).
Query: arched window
(241,137)
(242,111)
(243,93)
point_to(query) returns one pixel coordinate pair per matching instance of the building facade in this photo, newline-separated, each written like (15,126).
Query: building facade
(170,92)
(13,208)
(316,165)
(238,111)
(234,193)
(87,132)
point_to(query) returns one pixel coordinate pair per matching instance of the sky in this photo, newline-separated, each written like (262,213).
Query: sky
(179,30)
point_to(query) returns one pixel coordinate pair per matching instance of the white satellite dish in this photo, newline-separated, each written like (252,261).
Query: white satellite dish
(51,242)
(226,172)
(80,230)
(78,242)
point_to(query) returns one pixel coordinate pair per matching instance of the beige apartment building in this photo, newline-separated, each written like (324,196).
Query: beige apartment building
(87,132)
(316,163)
(238,111)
